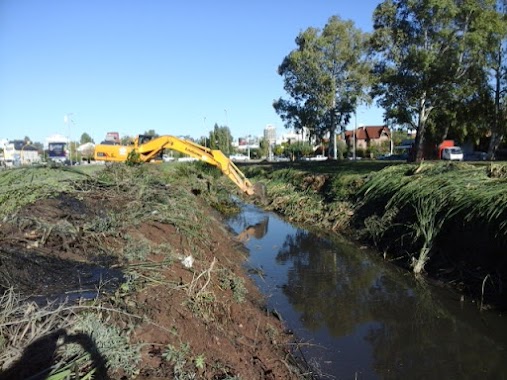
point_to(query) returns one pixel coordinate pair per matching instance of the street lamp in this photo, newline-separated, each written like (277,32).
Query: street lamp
(227,135)
(66,118)
(22,152)
(204,124)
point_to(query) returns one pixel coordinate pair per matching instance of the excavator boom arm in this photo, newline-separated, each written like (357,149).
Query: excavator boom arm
(151,149)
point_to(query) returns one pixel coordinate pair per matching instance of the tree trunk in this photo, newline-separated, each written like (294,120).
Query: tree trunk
(335,150)
(417,154)
(496,138)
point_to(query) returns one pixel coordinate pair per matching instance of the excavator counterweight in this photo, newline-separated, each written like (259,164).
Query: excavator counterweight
(150,148)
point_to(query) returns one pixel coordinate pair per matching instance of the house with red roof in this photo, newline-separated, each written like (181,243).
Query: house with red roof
(368,136)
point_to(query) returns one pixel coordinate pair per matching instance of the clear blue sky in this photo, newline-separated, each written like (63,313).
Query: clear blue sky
(177,67)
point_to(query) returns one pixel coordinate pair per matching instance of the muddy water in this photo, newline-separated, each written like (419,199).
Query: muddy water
(360,318)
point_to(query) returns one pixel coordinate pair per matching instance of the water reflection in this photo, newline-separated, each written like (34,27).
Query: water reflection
(366,319)
(258,231)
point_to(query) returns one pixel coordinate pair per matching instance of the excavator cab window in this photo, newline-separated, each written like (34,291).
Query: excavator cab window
(143,139)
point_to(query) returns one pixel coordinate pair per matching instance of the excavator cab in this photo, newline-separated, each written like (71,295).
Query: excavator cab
(143,139)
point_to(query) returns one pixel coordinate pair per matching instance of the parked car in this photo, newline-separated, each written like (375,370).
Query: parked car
(167,158)
(239,157)
(475,156)
(394,157)
(452,153)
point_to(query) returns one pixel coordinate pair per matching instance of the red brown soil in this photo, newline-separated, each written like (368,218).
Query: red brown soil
(240,338)
(176,306)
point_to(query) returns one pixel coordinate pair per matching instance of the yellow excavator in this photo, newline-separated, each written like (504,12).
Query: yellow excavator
(150,148)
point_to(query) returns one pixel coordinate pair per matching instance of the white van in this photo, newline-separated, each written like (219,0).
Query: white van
(452,153)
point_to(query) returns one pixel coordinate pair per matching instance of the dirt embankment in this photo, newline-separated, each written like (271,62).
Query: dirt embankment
(171,299)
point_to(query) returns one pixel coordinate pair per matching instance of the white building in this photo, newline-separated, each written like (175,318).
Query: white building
(17,152)
(270,134)
(245,144)
(292,137)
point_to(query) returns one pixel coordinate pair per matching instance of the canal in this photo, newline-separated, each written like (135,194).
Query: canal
(358,317)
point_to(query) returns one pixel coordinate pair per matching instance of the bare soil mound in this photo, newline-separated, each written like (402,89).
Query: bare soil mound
(169,281)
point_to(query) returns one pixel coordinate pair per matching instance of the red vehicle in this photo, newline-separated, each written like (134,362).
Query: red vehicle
(112,138)
(443,145)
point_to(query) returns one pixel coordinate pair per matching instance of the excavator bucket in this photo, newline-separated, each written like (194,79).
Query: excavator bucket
(260,190)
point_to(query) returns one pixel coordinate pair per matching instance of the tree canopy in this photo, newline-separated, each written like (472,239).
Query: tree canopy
(220,138)
(151,132)
(85,138)
(435,66)
(326,76)
(429,54)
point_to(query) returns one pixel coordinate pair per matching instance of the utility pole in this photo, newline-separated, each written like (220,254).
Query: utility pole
(204,124)
(354,134)
(227,136)
(66,119)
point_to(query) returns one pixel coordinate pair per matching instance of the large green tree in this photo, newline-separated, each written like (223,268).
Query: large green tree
(326,76)
(151,132)
(496,102)
(427,50)
(298,149)
(85,138)
(220,138)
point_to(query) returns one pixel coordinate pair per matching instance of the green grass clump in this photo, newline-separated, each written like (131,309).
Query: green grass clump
(421,200)
(110,342)
(184,365)
(228,280)
(136,249)
(23,186)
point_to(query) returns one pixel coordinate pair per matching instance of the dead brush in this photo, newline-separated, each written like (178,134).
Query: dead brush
(23,186)
(63,341)
(199,283)
(22,323)
(112,344)
(201,301)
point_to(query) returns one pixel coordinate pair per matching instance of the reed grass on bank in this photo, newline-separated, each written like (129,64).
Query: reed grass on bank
(400,207)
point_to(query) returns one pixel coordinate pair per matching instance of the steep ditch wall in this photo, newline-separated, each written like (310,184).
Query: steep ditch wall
(447,221)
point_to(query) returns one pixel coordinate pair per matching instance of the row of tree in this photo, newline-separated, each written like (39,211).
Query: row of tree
(436,66)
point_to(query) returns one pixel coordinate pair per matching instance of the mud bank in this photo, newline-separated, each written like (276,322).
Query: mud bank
(162,292)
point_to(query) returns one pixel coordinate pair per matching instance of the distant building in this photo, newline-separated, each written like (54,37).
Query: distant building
(270,134)
(368,136)
(246,143)
(292,137)
(16,153)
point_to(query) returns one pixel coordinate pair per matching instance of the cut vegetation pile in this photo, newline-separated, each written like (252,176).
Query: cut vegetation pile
(157,282)
(445,219)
